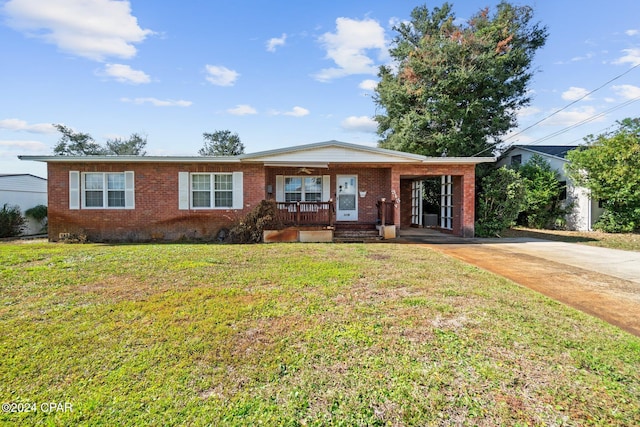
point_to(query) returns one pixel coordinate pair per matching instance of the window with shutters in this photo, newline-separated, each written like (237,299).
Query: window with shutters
(211,190)
(303,189)
(102,190)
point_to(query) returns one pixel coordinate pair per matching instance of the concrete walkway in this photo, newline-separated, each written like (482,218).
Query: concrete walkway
(600,281)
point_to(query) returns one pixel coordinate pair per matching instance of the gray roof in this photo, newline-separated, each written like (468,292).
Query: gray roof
(551,150)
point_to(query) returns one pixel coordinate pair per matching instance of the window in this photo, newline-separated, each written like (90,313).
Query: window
(211,190)
(516,160)
(563,190)
(105,190)
(303,189)
(446,202)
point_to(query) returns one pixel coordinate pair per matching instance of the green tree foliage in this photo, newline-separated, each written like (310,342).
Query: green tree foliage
(543,207)
(73,143)
(134,146)
(609,166)
(11,221)
(76,143)
(221,143)
(457,87)
(501,199)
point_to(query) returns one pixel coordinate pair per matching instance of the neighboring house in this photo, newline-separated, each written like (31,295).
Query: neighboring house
(585,210)
(331,183)
(24,191)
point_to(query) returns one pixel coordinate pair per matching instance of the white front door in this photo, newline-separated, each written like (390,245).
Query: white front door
(347,198)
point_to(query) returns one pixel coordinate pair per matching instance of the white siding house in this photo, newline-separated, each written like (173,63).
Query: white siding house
(24,191)
(585,210)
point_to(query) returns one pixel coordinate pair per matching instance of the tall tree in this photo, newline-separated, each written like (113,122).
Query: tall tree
(134,146)
(609,166)
(221,143)
(73,143)
(455,87)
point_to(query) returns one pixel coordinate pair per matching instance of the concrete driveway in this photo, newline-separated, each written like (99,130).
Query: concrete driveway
(599,281)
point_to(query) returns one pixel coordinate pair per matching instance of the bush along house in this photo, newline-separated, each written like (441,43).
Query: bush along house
(317,187)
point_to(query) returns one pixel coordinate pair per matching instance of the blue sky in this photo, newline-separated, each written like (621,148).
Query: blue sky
(279,73)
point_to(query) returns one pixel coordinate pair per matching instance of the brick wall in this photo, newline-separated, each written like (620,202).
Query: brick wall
(156,215)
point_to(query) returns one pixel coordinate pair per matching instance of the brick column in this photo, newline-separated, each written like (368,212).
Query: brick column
(468,201)
(395,190)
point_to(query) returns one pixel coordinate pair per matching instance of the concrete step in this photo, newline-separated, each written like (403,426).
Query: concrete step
(355,236)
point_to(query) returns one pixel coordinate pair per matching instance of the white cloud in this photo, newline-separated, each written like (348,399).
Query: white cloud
(348,47)
(21,125)
(627,91)
(242,110)
(94,29)
(574,93)
(368,84)
(221,76)
(297,112)
(273,43)
(158,102)
(359,124)
(632,32)
(528,111)
(583,58)
(572,117)
(36,146)
(632,56)
(125,74)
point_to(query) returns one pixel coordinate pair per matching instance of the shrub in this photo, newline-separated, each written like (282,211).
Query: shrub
(11,221)
(500,200)
(543,207)
(250,228)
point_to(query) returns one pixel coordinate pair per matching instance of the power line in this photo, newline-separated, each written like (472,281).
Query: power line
(560,110)
(587,120)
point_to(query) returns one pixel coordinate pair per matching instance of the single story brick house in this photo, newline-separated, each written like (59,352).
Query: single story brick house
(334,184)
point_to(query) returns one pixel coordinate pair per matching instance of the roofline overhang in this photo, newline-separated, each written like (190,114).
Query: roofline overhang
(237,159)
(131,159)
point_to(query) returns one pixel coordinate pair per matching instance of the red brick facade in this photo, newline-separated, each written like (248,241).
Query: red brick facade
(157,216)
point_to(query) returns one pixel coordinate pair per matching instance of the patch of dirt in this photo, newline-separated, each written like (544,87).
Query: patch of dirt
(613,300)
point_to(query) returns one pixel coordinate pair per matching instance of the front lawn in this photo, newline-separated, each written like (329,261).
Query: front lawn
(296,334)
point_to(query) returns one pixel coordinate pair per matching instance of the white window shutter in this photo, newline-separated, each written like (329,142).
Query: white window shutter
(74,190)
(183,191)
(129,190)
(326,188)
(279,188)
(238,190)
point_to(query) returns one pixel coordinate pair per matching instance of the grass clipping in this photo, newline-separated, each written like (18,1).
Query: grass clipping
(251,227)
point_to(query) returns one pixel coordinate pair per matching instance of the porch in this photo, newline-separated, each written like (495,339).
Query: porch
(316,222)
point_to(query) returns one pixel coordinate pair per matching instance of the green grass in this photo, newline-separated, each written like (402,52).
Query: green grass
(297,334)
(623,241)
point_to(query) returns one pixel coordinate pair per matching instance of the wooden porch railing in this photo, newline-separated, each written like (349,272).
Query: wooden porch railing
(306,213)
(386,212)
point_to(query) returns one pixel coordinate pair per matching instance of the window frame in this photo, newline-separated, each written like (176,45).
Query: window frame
(303,188)
(105,190)
(212,190)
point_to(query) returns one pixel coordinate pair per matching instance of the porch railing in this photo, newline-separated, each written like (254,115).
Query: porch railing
(306,213)
(386,212)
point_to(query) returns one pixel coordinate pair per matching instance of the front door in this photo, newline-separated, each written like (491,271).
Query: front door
(347,198)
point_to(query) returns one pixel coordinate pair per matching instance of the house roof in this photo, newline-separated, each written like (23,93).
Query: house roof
(315,155)
(559,151)
(4,175)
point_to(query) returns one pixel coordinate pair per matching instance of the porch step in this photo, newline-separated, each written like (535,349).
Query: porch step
(355,236)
